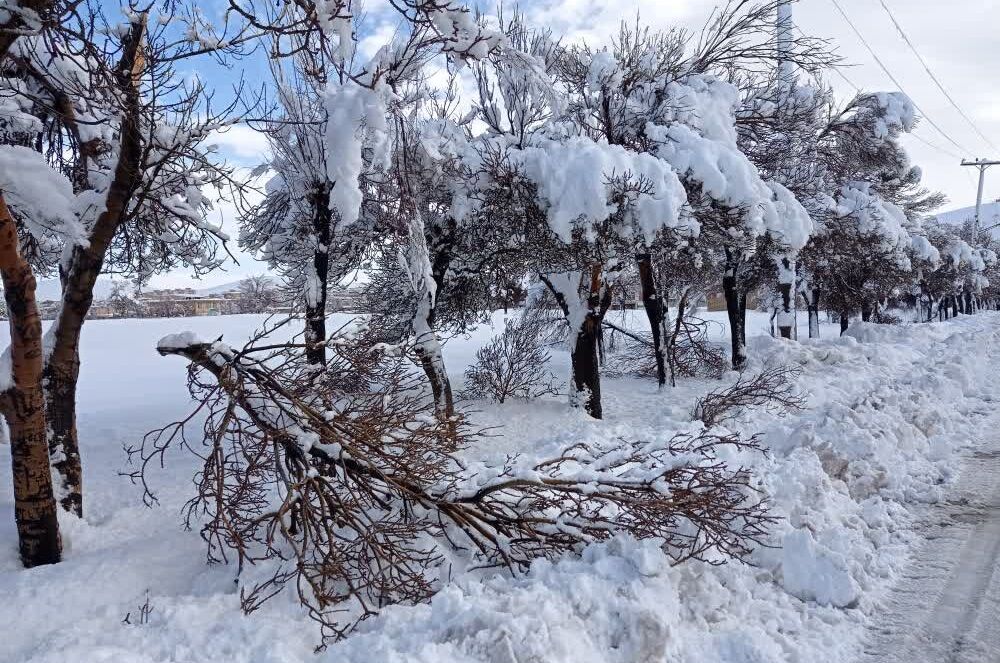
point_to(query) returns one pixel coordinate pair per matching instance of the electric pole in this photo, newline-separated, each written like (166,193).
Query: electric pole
(982,165)
(786,318)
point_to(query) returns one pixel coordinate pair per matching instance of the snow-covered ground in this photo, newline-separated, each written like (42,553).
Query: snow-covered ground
(890,411)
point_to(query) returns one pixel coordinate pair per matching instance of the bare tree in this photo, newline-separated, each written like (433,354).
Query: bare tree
(121,300)
(514,364)
(258,294)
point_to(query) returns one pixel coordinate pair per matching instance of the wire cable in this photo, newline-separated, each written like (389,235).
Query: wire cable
(934,78)
(895,81)
(912,134)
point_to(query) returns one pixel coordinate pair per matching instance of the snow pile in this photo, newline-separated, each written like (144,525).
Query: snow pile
(888,407)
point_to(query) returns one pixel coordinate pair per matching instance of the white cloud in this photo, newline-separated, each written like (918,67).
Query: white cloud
(381,35)
(241,143)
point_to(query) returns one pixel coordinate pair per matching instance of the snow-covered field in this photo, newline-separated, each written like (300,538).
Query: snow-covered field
(890,409)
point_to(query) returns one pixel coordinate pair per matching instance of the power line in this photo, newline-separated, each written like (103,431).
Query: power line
(934,78)
(895,81)
(912,134)
(933,146)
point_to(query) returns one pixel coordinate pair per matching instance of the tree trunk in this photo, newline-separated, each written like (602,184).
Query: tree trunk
(24,407)
(866,312)
(671,346)
(954,306)
(586,368)
(428,350)
(584,348)
(812,306)
(62,369)
(736,304)
(316,288)
(655,312)
(786,280)
(845,321)
(424,286)
(969,310)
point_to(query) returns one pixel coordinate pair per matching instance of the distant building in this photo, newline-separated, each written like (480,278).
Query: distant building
(185,302)
(181,302)
(343,299)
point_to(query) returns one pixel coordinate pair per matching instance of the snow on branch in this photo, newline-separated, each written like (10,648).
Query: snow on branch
(345,472)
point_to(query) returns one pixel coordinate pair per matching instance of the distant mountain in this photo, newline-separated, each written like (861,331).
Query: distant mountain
(218,289)
(989,216)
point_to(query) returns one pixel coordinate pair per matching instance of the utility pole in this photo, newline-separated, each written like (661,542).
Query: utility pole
(786,317)
(982,165)
(783,37)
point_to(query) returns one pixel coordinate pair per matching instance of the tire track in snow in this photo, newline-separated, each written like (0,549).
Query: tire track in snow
(945,608)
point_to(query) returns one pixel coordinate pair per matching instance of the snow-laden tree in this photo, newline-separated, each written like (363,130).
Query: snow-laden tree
(956,275)
(353,156)
(108,173)
(868,208)
(292,228)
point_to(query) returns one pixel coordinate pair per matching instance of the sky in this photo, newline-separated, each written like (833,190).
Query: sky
(958,40)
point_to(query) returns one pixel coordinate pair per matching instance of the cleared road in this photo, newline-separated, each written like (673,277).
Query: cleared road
(946,606)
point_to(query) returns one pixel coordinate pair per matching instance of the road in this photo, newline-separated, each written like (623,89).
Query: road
(945,608)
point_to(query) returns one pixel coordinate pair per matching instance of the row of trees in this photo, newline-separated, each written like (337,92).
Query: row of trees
(464,162)
(668,162)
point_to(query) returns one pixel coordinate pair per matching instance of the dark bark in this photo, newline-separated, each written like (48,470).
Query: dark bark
(584,357)
(586,367)
(785,318)
(969,310)
(812,306)
(672,341)
(866,312)
(655,313)
(736,305)
(62,370)
(315,305)
(845,321)
(954,306)
(23,405)
(11,28)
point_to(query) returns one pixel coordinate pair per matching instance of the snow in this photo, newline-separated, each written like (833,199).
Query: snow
(573,176)
(356,117)
(698,138)
(179,341)
(812,573)
(888,408)
(39,194)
